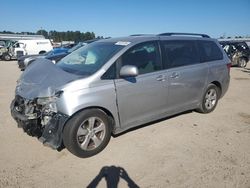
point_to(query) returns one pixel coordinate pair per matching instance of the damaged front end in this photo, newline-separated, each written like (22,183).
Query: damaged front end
(40,118)
(35,105)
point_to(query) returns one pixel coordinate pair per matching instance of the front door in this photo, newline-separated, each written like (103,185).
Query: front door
(142,98)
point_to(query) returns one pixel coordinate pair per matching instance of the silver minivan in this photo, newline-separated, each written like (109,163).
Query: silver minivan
(112,85)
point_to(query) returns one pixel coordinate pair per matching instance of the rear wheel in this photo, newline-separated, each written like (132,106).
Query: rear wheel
(87,133)
(210,99)
(42,52)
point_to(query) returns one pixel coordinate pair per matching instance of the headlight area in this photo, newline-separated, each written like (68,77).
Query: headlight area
(48,105)
(40,118)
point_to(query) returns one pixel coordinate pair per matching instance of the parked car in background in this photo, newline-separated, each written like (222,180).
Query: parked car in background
(238,52)
(55,58)
(8,51)
(116,84)
(70,45)
(16,49)
(4,53)
(26,60)
(54,55)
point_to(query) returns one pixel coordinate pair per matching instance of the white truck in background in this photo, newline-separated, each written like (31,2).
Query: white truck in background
(27,47)
(33,46)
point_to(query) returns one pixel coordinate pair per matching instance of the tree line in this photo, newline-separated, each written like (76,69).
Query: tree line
(59,36)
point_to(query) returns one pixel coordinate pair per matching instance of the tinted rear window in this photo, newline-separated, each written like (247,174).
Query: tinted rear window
(209,51)
(179,53)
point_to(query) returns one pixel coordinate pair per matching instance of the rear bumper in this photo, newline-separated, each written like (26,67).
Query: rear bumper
(50,134)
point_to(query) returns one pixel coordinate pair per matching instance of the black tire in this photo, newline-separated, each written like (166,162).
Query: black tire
(242,62)
(208,104)
(6,57)
(42,52)
(77,132)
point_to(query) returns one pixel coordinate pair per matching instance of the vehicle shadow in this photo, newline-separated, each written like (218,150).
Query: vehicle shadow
(112,175)
(246,70)
(151,123)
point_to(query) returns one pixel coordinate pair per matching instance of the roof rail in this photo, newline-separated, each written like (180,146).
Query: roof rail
(192,34)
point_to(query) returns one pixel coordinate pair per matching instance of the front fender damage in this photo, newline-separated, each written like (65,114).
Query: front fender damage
(52,133)
(46,125)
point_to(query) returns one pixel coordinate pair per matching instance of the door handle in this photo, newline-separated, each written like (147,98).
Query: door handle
(160,78)
(174,75)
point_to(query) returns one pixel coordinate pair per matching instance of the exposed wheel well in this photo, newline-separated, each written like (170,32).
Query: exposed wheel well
(109,114)
(218,85)
(42,52)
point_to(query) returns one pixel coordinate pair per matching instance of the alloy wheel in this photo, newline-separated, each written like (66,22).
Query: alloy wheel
(210,98)
(91,133)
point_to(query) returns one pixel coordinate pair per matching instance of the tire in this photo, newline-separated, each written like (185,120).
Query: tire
(6,57)
(242,62)
(87,133)
(42,52)
(209,100)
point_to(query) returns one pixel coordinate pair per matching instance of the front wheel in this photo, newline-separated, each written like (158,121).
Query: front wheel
(87,133)
(6,57)
(210,99)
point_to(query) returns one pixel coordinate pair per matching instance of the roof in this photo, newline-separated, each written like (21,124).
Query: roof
(131,39)
(146,37)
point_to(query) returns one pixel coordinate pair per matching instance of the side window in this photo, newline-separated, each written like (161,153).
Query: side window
(144,56)
(179,53)
(110,74)
(209,51)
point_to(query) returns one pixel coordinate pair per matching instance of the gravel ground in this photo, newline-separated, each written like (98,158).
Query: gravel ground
(189,150)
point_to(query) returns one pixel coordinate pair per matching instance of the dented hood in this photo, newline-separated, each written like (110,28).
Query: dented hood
(42,79)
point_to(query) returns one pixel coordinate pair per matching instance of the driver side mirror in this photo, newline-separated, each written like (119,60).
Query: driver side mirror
(129,71)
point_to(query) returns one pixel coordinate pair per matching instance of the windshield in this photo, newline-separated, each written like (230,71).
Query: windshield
(88,59)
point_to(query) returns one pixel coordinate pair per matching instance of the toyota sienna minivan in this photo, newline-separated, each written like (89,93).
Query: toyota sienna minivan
(112,85)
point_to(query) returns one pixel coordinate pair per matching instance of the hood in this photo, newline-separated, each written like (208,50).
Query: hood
(41,79)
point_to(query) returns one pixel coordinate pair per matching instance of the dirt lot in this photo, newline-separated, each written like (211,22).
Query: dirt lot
(189,150)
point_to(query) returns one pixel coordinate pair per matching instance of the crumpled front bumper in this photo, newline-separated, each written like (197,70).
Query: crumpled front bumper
(50,134)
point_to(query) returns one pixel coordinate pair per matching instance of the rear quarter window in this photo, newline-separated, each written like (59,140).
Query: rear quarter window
(209,51)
